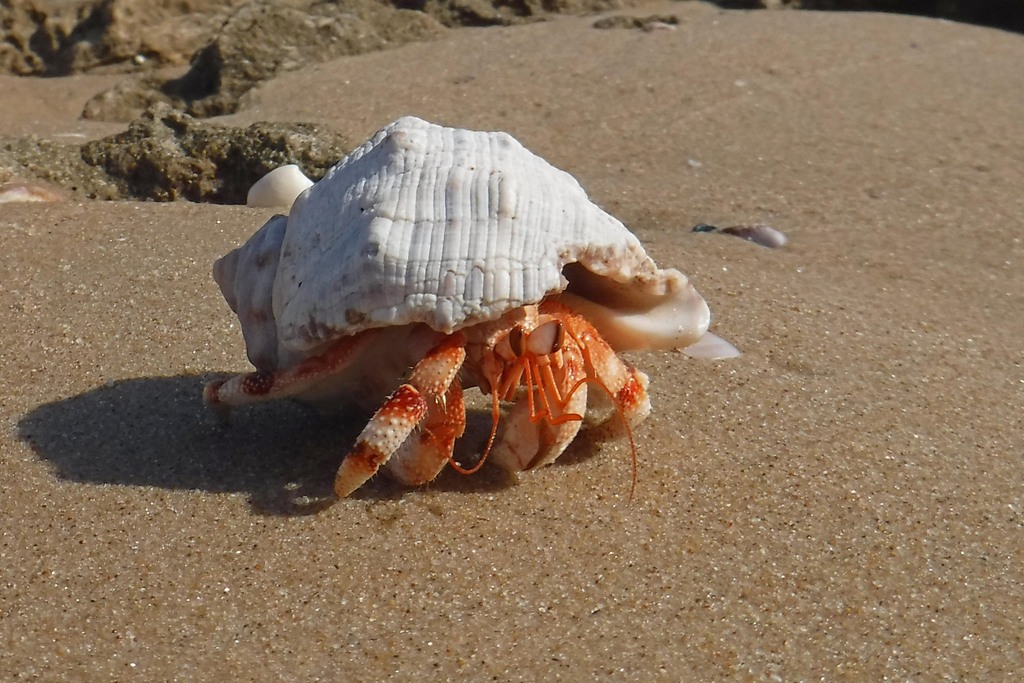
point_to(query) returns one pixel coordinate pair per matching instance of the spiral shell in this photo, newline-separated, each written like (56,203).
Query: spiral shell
(450,228)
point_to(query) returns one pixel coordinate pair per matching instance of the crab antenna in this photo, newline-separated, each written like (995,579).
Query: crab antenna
(625,423)
(505,388)
(490,442)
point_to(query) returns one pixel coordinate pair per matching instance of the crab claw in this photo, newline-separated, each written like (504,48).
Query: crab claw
(418,424)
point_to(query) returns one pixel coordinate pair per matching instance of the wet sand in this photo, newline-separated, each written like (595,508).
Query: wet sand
(844,501)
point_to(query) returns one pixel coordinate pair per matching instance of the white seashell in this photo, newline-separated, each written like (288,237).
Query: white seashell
(279,188)
(452,227)
(246,278)
(20,192)
(653,26)
(449,228)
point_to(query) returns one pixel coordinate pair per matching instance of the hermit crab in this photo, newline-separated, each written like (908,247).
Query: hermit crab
(432,260)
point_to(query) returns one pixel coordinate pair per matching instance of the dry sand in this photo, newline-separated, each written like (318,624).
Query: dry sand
(844,501)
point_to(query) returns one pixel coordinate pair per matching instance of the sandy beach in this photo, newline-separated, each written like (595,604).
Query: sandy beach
(845,501)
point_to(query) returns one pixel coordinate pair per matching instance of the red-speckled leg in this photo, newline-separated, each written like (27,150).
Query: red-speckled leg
(253,387)
(425,453)
(432,397)
(625,385)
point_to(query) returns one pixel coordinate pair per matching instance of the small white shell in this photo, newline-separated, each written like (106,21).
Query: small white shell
(23,191)
(279,188)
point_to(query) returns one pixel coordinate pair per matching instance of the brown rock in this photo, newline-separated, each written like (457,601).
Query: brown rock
(260,40)
(129,99)
(128,34)
(167,155)
(33,36)
(31,159)
(46,38)
(501,12)
(650,23)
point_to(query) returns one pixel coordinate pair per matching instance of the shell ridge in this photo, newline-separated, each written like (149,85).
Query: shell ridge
(445,227)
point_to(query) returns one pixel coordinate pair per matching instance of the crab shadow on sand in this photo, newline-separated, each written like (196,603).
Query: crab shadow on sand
(155,431)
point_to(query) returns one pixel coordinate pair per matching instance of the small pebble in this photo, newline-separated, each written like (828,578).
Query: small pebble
(758,233)
(652,26)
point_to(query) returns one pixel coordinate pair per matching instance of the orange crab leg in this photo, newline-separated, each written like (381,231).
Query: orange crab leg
(546,382)
(253,387)
(387,431)
(512,382)
(381,437)
(629,400)
(427,450)
(547,377)
(531,401)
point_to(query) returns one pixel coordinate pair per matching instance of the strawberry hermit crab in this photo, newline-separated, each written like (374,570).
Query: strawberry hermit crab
(431,260)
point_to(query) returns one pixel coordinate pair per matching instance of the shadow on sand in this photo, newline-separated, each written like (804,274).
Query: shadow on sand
(155,431)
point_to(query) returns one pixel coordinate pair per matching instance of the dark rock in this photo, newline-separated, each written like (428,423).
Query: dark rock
(32,36)
(631,22)
(504,12)
(167,155)
(1006,14)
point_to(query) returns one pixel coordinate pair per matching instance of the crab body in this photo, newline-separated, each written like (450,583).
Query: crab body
(432,260)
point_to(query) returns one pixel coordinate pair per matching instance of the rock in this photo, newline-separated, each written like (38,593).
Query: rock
(501,12)
(56,39)
(51,38)
(1006,14)
(129,99)
(32,159)
(33,36)
(259,40)
(651,23)
(129,34)
(167,155)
